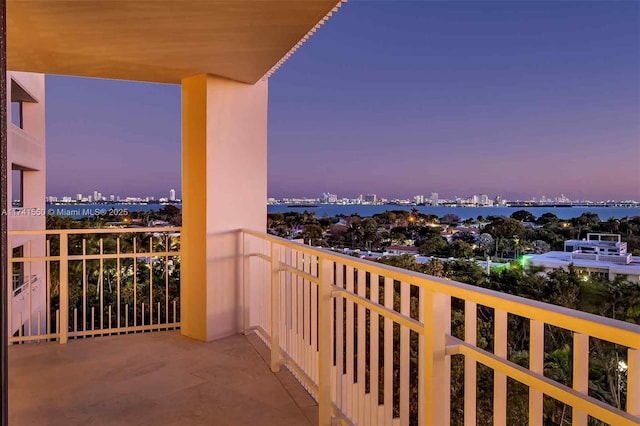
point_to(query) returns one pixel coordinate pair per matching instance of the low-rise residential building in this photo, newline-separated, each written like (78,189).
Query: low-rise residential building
(601,255)
(396,250)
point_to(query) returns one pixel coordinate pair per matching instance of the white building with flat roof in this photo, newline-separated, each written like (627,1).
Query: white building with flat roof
(601,255)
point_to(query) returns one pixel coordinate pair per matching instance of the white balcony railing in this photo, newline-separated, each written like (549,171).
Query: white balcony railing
(371,343)
(96,282)
(352,332)
(18,288)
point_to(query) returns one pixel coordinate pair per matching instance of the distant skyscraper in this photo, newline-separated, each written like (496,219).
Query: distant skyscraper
(434,199)
(112,197)
(370,198)
(95,195)
(327,197)
(172,195)
(78,197)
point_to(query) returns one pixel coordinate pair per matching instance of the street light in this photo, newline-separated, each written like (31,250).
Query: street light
(411,220)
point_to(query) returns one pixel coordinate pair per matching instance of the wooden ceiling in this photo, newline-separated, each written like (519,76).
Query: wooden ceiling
(159,40)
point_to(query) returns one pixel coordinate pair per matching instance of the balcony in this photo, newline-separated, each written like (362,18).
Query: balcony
(371,344)
(27,150)
(156,379)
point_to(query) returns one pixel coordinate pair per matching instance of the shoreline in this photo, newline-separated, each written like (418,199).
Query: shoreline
(367,210)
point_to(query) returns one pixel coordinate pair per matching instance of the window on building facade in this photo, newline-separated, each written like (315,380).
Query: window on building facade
(16,114)
(17,272)
(17,187)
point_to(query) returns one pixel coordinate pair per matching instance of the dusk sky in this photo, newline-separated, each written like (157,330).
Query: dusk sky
(397,98)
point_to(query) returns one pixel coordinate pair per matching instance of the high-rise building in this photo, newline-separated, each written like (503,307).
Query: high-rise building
(172,195)
(78,197)
(434,199)
(370,198)
(419,199)
(26,179)
(327,197)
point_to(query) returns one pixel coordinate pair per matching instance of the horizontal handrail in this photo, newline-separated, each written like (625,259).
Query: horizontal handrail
(19,289)
(260,256)
(81,231)
(550,387)
(399,318)
(301,274)
(614,331)
(97,256)
(131,329)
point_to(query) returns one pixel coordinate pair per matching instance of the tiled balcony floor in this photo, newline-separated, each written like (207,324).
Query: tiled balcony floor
(159,378)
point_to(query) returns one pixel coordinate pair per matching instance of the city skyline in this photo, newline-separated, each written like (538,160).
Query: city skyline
(493,97)
(95,195)
(327,197)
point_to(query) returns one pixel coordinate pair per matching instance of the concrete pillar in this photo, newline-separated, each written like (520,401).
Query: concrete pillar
(224,188)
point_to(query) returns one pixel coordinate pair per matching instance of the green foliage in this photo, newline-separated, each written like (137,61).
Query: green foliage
(312,233)
(505,228)
(607,382)
(547,218)
(523,216)
(450,219)
(432,246)
(404,261)
(460,249)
